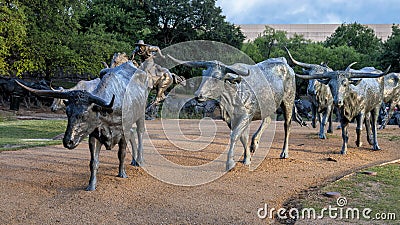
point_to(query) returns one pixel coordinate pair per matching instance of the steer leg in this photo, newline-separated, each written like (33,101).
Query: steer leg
(386,118)
(140,131)
(244,138)
(314,116)
(94,146)
(345,136)
(238,126)
(359,119)
(374,118)
(322,124)
(367,122)
(121,156)
(329,114)
(287,112)
(134,146)
(255,140)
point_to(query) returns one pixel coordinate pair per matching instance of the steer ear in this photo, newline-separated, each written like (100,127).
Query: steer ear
(355,82)
(100,105)
(103,111)
(324,81)
(229,69)
(231,79)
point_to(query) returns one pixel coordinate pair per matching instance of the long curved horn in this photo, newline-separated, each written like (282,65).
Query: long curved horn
(306,65)
(192,63)
(317,76)
(105,64)
(369,75)
(349,66)
(99,101)
(47,93)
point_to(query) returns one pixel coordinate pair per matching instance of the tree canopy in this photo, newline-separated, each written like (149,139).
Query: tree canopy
(66,37)
(349,43)
(69,37)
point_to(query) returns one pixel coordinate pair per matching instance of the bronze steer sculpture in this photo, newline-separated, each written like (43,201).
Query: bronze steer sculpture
(355,98)
(320,97)
(100,115)
(391,96)
(87,85)
(246,93)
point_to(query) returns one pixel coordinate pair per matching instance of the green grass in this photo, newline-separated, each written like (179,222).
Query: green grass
(17,134)
(380,193)
(390,137)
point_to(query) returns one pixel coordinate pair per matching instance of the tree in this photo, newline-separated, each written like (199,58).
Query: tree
(13,32)
(270,45)
(267,45)
(391,53)
(175,21)
(360,37)
(125,19)
(52,26)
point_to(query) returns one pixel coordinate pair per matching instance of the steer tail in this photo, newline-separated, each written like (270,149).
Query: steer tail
(296,117)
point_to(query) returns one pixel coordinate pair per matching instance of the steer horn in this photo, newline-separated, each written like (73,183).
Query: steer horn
(349,67)
(105,64)
(369,75)
(191,63)
(47,93)
(206,64)
(306,65)
(325,75)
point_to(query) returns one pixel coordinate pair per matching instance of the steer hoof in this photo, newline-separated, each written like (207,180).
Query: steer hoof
(247,161)
(359,143)
(284,155)
(134,163)
(122,175)
(376,148)
(90,188)
(230,164)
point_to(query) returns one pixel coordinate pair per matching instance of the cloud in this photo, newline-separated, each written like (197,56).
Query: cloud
(310,11)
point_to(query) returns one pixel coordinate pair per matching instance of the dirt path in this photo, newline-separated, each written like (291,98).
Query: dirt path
(46,185)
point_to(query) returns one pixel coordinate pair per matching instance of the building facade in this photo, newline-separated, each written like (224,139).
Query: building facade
(314,32)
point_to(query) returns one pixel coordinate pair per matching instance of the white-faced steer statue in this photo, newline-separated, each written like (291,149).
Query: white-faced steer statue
(357,95)
(246,93)
(87,85)
(100,115)
(320,96)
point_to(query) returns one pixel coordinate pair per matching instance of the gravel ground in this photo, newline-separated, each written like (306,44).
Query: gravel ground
(45,185)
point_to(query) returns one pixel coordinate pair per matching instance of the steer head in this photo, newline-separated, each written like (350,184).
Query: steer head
(82,110)
(211,86)
(340,81)
(310,69)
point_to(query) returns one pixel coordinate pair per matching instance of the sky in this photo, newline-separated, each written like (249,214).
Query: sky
(310,11)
